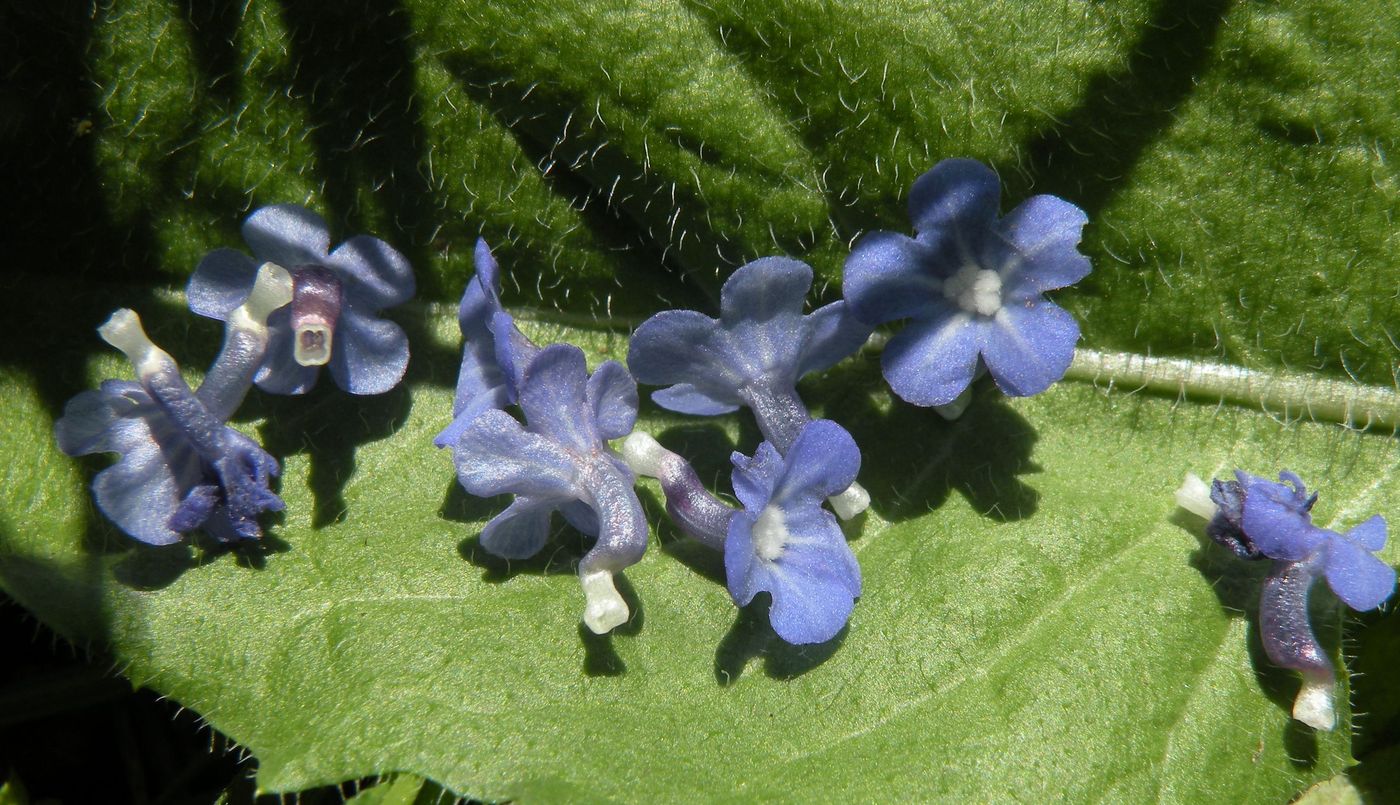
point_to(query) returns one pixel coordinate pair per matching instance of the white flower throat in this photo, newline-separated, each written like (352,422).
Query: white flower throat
(770,534)
(975,289)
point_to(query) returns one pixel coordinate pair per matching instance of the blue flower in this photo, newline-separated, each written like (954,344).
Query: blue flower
(1277,521)
(753,355)
(560,460)
(334,315)
(180,467)
(494,351)
(785,543)
(971,284)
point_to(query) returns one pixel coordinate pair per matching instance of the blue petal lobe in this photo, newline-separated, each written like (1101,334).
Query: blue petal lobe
(1358,578)
(822,461)
(554,397)
(765,289)
(521,530)
(754,479)
(683,346)
(958,192)
(1028,346)
(683,398)
(369,354)
(496,455)
(489,400)
(1043,235)
(931,361)
(834,334)
(612,395)
(221,282)
(375,274)
(889,276)
(1370,534)
(287,235)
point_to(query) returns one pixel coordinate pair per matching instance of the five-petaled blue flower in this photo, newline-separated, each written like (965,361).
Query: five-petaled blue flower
(785,543)
(753,355)
(494,351)
(180,467)
(334,314)
(971,284)
(1275,517)
(560,460)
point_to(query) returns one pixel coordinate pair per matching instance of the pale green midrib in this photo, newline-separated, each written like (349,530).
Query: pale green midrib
(1288,395)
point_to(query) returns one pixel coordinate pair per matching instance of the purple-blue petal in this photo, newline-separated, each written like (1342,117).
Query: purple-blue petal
(834,334)
(521,530)
(931,361)
(221,282)
(1040,240)
(763,290)
(755,478)
(288,235)
(369,354)
(488,400)
(683,398)
(887,277)
(375,275)
(554,397)
(813,584)
(513,351)
(1357,577)
(495,455)
(612,396)
(822,461)
(683,346)
(1275,523)
(1028,346)
(956,192)
(1370,535)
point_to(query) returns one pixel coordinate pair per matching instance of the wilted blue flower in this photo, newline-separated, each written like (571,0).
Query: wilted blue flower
(560,458)
(1255,518)
(180,467)
(334,314)
(1277,521)
(971,284)
(753,355)
(494,351)
(782,542)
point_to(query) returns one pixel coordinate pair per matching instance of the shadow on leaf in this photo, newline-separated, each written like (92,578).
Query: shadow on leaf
(912,458)
(1237,585)
(752,637)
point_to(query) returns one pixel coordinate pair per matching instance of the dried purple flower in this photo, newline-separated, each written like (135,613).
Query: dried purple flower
(180,467)
(1255,517)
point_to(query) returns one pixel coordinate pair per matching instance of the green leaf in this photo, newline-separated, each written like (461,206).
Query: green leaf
(1036,616)
(1037,621)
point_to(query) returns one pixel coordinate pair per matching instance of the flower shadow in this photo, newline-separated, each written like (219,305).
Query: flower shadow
(752,637)
(560,557)
(328,425)
(913,458)
(1237,585)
